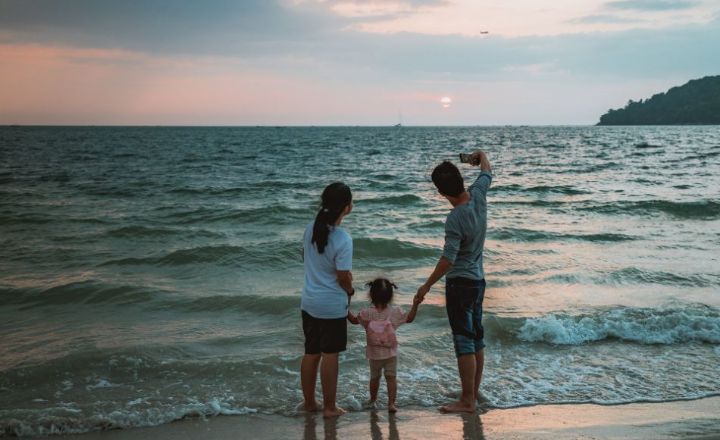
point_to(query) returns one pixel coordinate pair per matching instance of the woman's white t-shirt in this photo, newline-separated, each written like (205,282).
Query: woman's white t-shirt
(322,296)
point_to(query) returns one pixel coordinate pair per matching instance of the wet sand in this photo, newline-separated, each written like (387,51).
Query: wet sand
(698,419)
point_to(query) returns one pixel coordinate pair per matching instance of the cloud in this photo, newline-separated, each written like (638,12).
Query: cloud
(602,19)
(261,60)
(376,9)
(57,85)
(312,41)
(179,26)
(652,5)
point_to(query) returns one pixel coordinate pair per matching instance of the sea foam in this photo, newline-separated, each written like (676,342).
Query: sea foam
(640,325)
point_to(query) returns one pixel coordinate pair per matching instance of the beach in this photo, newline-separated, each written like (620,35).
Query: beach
(697,419)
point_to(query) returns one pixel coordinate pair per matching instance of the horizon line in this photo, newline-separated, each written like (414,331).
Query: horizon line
(294,125)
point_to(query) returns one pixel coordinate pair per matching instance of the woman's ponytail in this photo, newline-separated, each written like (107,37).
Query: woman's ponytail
(335,198)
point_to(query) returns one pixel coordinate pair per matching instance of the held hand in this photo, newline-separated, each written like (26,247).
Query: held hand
(421,292)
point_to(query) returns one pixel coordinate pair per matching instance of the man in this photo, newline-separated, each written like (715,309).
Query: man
(462,262)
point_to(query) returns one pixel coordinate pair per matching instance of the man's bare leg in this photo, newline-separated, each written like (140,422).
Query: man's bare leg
(479,364)
(328,380)
(308,377)
(466,369)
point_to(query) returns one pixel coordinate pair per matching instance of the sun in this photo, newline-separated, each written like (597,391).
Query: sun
(445,101)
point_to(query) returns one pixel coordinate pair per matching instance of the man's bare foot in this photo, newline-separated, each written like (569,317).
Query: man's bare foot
(333,412)
(392,408)
(458,407)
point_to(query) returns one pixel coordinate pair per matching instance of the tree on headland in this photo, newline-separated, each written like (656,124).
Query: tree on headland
(697,102)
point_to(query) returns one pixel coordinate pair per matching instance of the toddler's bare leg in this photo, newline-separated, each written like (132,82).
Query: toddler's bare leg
(374,387)
(392,392)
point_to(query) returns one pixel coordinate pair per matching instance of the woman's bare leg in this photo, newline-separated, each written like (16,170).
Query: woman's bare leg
(308,377)
(328,379)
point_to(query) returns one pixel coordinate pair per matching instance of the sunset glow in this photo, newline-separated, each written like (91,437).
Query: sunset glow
(348,62)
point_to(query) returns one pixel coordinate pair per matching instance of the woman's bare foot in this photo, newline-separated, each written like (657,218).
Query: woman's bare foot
(312,407)
(392,408)
(458,407)
(333,412)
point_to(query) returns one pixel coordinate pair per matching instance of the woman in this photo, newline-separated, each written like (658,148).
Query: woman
(328,285)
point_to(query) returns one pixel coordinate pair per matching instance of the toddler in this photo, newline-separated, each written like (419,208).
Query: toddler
(380,322)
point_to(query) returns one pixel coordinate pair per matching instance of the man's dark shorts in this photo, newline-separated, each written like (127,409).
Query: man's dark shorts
(324,335)
(463,301)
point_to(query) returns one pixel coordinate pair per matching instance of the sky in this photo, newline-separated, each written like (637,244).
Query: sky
(345,62)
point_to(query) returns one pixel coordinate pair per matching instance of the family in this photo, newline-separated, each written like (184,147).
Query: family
(328,287)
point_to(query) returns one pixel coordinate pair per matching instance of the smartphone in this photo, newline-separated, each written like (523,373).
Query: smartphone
(466,158)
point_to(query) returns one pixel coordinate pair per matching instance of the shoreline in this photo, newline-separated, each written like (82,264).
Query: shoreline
(697,419)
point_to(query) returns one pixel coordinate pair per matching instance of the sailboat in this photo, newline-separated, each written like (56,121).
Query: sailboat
(399,124)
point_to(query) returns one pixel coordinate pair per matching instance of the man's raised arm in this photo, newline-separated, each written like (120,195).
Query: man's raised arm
(479,157)
(483,181)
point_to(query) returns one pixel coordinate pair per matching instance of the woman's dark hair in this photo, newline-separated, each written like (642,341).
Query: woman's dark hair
(448,180)
(381,291)
(335,198)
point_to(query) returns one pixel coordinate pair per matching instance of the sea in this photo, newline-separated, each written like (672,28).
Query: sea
(150,274)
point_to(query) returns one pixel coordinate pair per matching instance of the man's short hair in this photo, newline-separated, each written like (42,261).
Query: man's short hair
(448,180)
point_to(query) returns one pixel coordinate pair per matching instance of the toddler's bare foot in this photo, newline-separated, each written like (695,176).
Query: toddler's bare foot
(392,408)
(458,407)
(333,412)
(480,399)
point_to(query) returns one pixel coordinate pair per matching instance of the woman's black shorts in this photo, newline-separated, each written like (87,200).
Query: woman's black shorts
(324,335)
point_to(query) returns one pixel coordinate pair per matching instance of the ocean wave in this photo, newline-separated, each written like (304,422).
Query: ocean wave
(112,191)
(389,248)
(702,156)
(268,215)
(385,177)
(699,210)
(541,189)
(81,292)
(636,275)
(63,420)
(39,218)
(606,165)
(645,145)
(209,191)
(639,325)
(398,200)
(24,219)
(269,254)
(529,235)
(267,305)
(436,225)
(138,231)
(261,185)
(60,176)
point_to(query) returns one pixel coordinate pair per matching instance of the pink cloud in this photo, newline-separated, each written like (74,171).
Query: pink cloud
(60,85)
